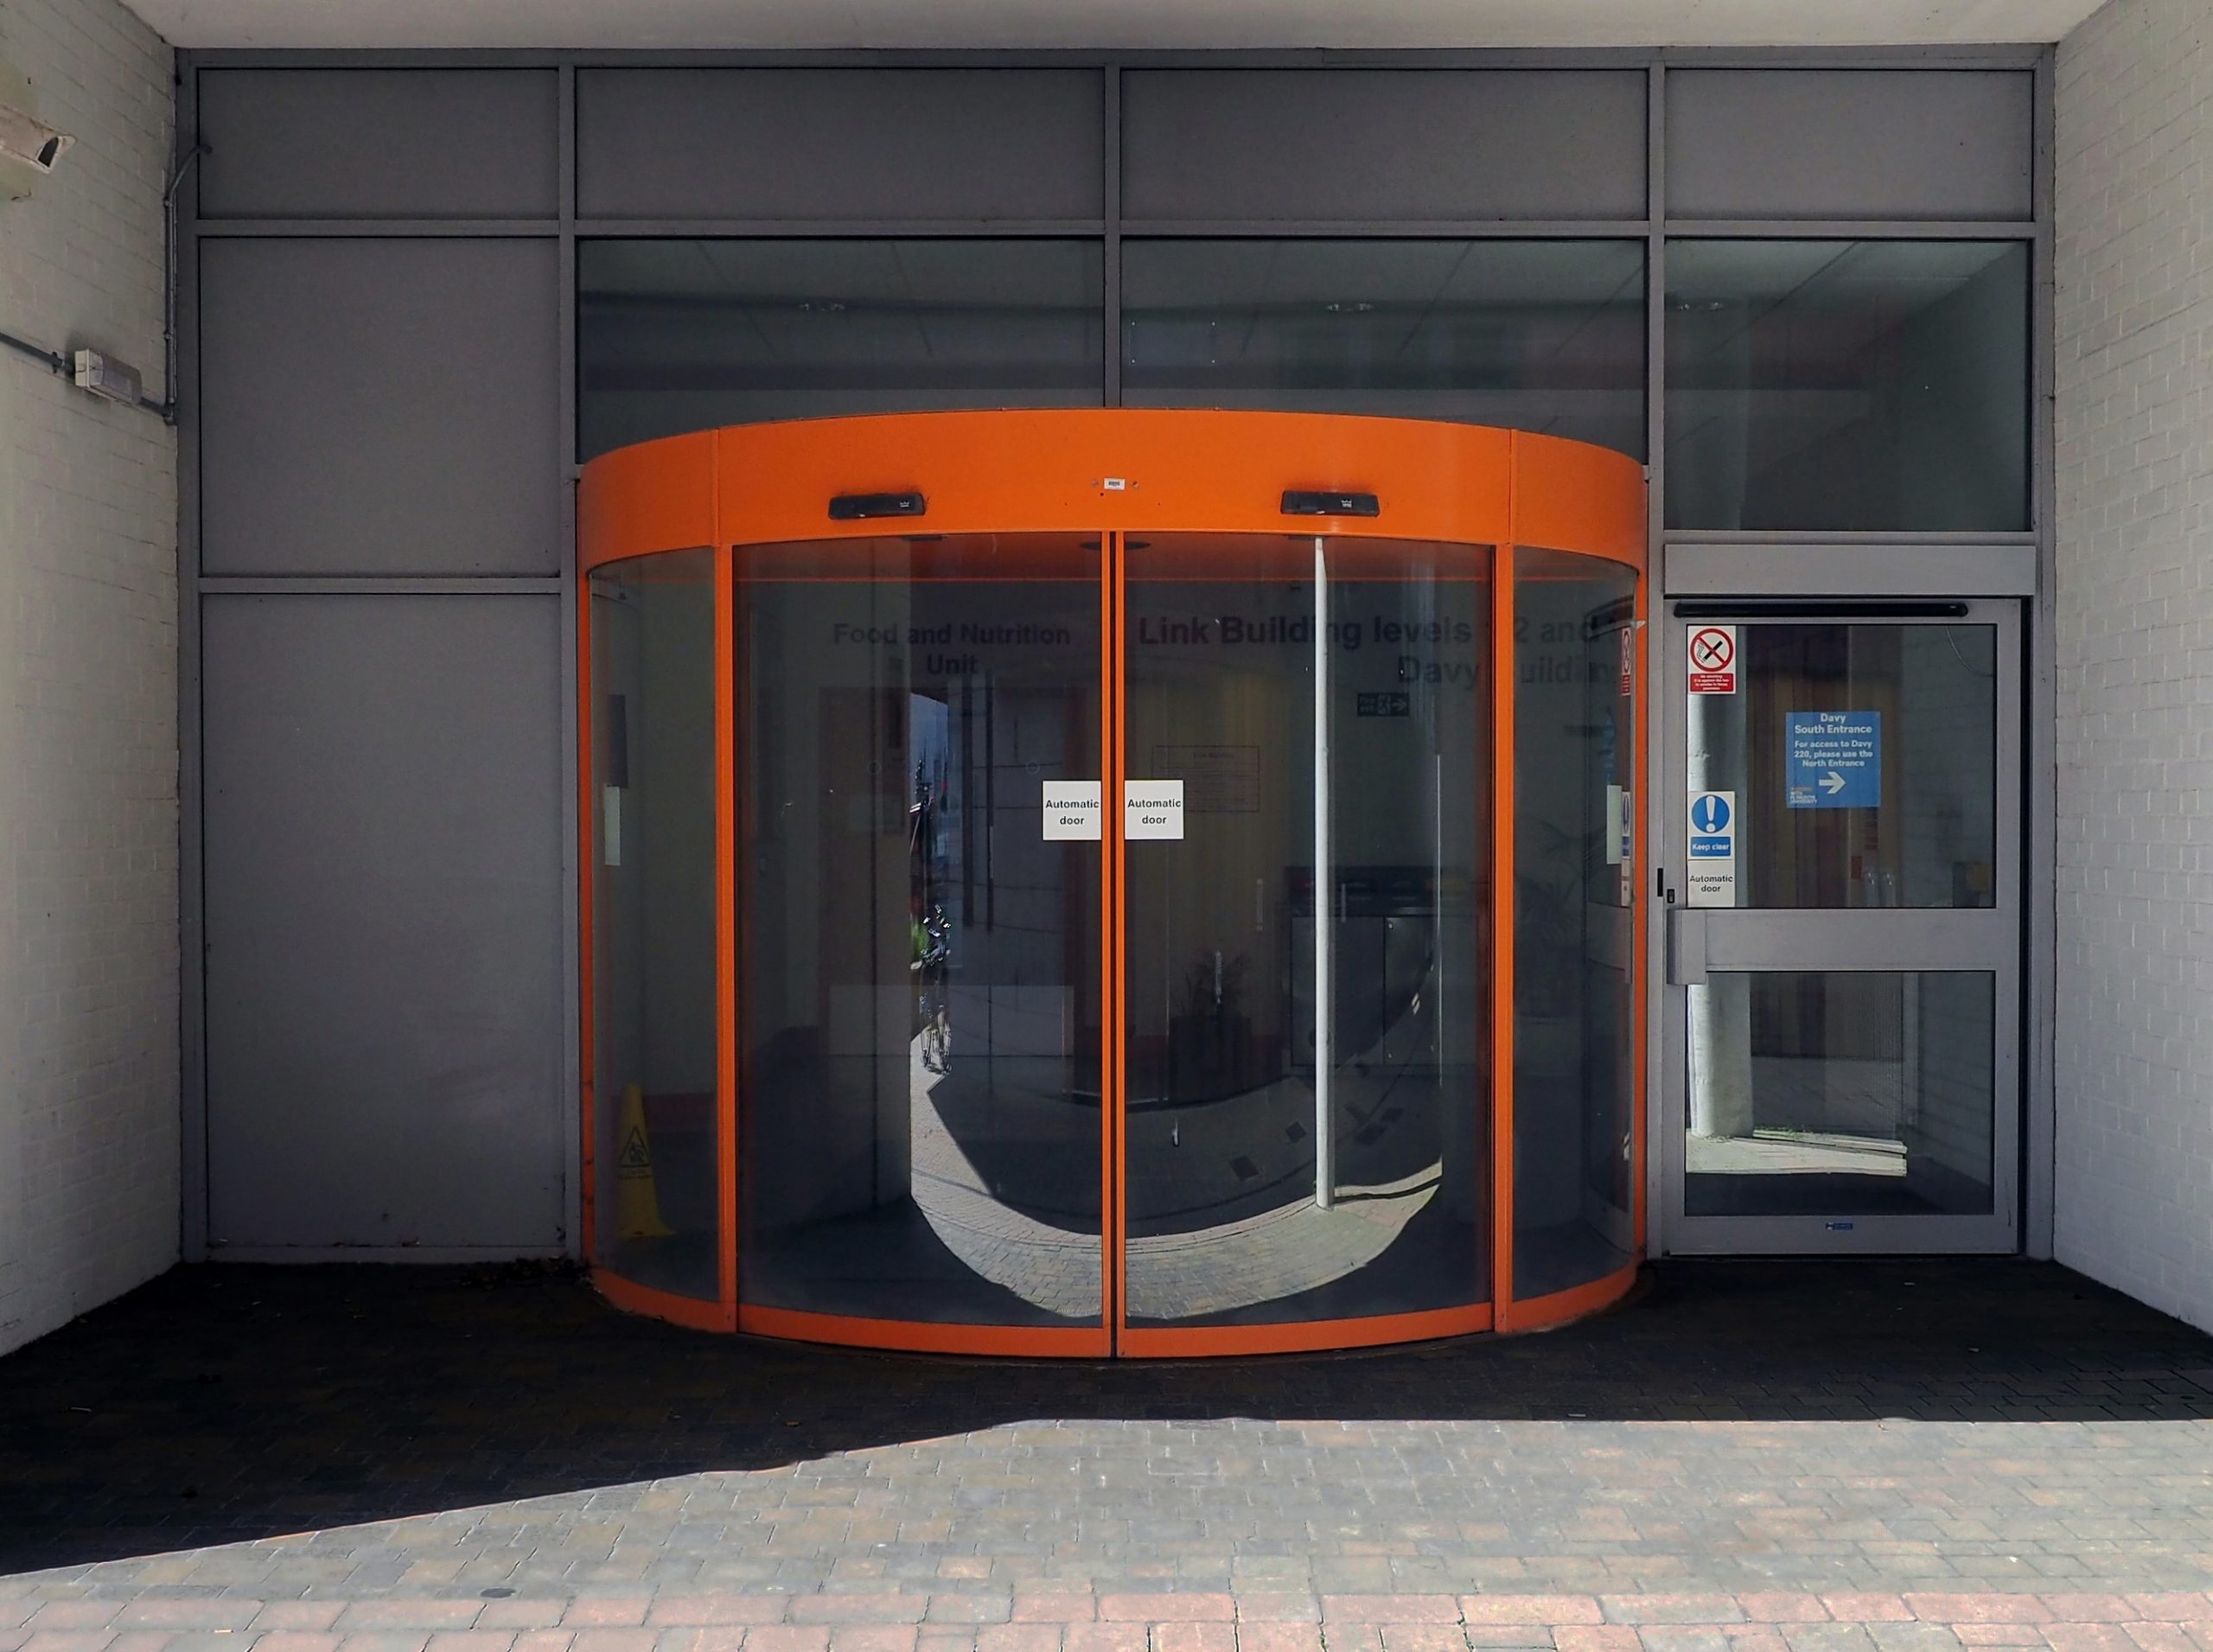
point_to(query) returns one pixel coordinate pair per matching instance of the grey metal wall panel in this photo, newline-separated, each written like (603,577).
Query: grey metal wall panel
(383,878)
(1378,145)
(1850,144)
(380,406)
(839,143)
(379,142)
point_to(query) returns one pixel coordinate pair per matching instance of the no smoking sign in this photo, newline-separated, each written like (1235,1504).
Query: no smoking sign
(1713,659)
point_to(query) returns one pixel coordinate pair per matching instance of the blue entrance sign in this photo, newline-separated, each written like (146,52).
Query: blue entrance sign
(1835,759)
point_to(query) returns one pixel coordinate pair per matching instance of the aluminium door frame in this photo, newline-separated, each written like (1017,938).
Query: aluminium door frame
(1981,940)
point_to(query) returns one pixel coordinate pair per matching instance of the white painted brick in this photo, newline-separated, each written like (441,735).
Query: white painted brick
(89,1143)
(2133,1196)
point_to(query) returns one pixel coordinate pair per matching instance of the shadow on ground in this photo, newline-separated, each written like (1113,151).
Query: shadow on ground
(224,1403)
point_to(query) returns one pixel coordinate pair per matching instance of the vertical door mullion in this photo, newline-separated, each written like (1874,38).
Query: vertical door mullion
(1112,1031)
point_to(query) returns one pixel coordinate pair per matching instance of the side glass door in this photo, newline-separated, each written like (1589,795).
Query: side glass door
(1841,863)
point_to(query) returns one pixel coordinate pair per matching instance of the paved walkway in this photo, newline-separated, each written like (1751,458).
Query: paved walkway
(1748,1457)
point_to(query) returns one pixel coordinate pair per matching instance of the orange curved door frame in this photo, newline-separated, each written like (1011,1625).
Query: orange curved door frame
(1108,474)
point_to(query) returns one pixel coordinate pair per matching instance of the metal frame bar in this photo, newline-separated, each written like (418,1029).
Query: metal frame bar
(1996,55)
(194,1188)
(570,587)
(377,586)
(2040,774)
(1654,228)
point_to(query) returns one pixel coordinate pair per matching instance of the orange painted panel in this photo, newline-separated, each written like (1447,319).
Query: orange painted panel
(1539,1313)
(1078,1342)
(1304,1336)
(1035,470)
(655,496)
(1571,496)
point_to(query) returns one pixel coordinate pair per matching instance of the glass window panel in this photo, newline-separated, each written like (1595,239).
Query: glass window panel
(1574,769)
(1538,335)
(1848,385)
(1915,822)
(677,335)
(653,1040)
(1231,1219)
(919,991)
(1840,1094)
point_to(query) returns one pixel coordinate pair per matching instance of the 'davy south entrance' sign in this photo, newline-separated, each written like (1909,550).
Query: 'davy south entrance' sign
(1834,759)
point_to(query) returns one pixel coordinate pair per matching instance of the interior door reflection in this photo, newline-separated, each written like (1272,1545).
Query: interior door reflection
(1308,1097)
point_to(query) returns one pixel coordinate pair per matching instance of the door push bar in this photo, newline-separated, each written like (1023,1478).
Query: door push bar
(1687,932)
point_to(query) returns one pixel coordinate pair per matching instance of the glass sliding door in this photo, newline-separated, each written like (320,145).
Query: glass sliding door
(1307,978)
(920,949)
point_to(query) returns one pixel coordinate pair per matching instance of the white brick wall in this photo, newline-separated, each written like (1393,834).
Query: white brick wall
(2134,1189)
(88,764)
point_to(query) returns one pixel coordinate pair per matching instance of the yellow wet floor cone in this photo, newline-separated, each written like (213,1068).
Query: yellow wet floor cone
(637,1207)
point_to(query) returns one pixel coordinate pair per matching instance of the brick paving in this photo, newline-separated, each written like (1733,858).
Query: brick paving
(1750,1457)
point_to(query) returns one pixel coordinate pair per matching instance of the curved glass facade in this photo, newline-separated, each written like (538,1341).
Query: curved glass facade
(1204,933)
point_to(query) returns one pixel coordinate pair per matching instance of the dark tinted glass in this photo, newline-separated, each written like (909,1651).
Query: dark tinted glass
(1848,385)
(678,336)
(1540,335)
(653,917)
(1574,875)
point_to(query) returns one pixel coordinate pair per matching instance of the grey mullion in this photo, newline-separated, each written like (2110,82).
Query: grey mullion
(379,585)
(192,895)
(1841,537)
(1110,203)
(2039,782)
(835,228)
(1548,229)
(2016,56)
(371,228)
(1852,229)
(571,1101)
(2004,55)
(1653,706)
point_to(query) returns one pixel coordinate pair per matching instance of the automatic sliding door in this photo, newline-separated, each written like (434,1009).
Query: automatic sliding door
(920,938)
(1307,760)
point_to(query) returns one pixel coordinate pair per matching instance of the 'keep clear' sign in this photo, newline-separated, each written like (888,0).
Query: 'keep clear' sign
(1834,759)
(1710,878)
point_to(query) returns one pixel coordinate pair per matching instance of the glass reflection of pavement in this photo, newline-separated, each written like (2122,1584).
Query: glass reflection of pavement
(1271,1242)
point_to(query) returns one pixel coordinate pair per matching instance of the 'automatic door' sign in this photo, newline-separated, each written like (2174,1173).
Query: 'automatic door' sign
(1835,759)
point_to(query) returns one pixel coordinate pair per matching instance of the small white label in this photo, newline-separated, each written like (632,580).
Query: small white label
(1115,484)
(610,825)
(1152,808)
(1713,659)
(1072,811)
(1710,878)
(1616,832)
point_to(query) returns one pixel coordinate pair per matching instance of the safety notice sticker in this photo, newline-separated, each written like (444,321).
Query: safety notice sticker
(1152,808)
(1710,878)
(1072,812)
(1835,759)
(1713,659)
